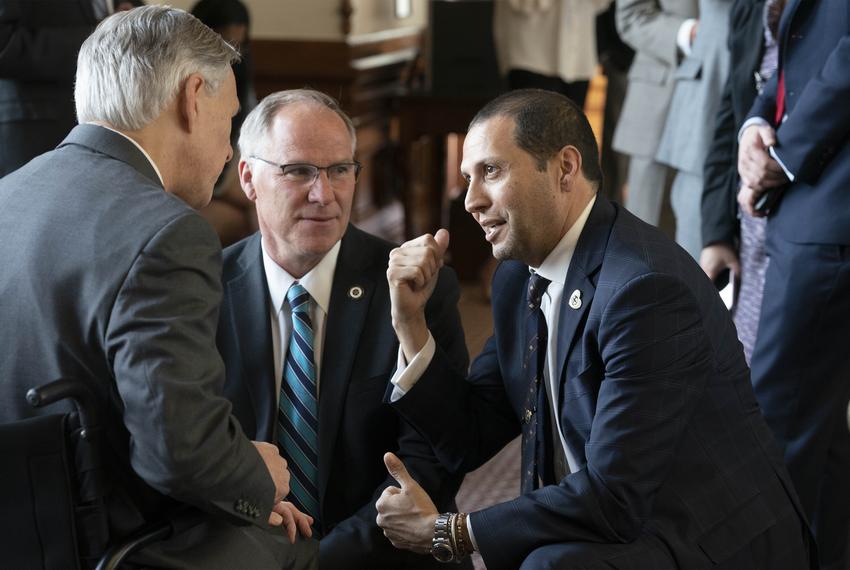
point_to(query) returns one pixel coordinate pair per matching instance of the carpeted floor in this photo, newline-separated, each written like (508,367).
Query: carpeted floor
(498,479)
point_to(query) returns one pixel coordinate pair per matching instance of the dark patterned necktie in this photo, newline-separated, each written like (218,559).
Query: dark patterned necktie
(536,341)
(298,424)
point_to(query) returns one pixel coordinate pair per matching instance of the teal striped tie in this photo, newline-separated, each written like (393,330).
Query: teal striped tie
(298,424)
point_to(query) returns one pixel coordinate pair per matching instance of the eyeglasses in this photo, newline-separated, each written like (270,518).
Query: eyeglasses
(305,174)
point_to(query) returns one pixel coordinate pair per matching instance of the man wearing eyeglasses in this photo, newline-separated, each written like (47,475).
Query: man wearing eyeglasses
(306,333)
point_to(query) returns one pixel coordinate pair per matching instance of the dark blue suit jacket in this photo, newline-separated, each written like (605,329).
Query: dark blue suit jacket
(814,141)
(655,403)
(359,357)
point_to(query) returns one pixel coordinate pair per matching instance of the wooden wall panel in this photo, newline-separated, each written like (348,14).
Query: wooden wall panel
(365,76)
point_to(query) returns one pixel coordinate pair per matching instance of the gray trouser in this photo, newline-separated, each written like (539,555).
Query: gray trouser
(686,201)
(218,545)
(647,182)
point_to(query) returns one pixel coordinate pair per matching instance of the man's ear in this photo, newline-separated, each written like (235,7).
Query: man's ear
(246,179)
(569,163)
(189,101)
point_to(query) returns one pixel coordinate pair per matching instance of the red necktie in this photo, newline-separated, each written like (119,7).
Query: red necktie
(780,98)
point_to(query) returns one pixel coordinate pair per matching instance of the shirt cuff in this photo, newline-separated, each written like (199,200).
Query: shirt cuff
(471,534)
(775,156)
(408,374)
(750,122)
(683,37)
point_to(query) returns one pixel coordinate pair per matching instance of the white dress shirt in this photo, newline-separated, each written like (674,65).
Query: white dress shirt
(554,268)
(318,283)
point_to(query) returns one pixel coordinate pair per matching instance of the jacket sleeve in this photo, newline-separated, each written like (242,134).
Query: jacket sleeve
(357,542)
(39,40)
(161,344)
(819,124)
(656,365)
(466,419)
(719,215)
(646,28)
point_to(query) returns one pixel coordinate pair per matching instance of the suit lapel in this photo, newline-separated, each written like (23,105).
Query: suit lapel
(347,315)
(584,265)
(248,298)
(784,25)
(586,260)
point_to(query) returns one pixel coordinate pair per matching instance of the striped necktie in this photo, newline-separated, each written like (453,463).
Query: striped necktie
(298,425)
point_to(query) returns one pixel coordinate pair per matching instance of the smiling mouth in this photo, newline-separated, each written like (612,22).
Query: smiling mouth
(491,229)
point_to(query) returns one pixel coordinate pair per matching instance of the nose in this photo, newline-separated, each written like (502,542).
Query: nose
(475,200)
(321,191)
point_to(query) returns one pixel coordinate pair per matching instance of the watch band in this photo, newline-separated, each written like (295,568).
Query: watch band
(442,546)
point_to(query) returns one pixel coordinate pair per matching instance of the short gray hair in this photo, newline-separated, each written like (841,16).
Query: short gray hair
(259,120)
(133,65)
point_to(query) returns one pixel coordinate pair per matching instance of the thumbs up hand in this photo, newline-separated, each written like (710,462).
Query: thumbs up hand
(406,513)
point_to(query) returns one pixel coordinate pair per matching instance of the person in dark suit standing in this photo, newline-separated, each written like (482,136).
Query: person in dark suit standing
(308,371)
(795,146)
(733,241)
(38,52)
(612,354)
(112,277)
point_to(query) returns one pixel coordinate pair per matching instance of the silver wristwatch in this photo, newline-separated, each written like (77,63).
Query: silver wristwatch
(441,544)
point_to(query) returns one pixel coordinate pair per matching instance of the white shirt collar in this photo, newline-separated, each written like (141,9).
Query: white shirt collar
(557,263)
(318,281)
(138,146)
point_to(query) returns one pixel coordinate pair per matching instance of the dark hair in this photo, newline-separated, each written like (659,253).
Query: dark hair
(220,13)
(545,122)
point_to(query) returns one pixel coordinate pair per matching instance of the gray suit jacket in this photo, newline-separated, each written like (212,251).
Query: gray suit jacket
(109,279)
(649,27)
(696,97)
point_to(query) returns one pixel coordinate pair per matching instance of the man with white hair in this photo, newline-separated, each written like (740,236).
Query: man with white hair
(113,278)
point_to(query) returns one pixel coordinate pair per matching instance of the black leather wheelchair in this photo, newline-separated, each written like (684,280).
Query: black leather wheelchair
(53,489)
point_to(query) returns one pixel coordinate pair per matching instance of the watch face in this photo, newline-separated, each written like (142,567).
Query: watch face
(442,552)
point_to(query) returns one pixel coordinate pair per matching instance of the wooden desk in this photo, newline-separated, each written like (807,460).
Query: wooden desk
(424,123)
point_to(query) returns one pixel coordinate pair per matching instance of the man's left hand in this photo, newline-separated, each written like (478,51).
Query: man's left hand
(757,169)
(294,521)
(747,198)
(406,514)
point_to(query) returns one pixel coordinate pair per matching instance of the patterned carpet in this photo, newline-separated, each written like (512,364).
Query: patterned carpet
(498,479)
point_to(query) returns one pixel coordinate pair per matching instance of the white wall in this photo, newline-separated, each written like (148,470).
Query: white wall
(320,19)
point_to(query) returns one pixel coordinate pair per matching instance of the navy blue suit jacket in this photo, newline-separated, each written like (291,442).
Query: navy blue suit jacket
(655,403)
(359,357)
(814,141)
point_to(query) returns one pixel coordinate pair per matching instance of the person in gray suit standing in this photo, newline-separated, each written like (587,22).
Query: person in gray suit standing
(690,121)
(111,277)
(660,32)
